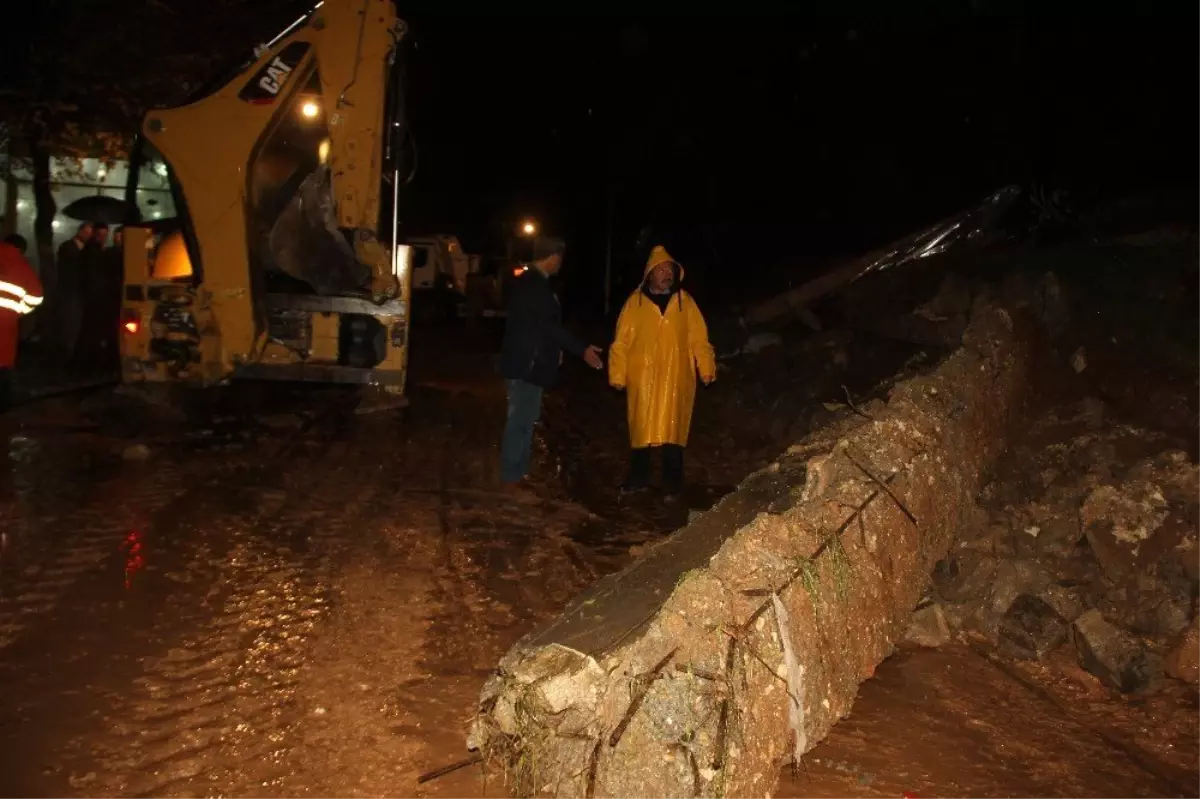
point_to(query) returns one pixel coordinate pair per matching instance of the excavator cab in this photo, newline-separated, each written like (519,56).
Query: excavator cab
(277,254)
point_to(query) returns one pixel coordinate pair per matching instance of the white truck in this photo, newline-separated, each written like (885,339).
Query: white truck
(447,281)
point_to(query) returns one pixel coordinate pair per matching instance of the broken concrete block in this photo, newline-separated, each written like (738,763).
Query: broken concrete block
(1118,521)
(1184,661)
(1031,629)
(1117,659)
(928,627)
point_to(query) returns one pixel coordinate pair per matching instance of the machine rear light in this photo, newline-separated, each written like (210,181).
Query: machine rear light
(131,321)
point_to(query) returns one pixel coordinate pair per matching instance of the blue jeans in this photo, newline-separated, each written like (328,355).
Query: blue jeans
(524,409)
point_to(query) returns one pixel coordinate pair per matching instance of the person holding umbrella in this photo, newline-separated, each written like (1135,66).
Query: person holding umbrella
(80,284)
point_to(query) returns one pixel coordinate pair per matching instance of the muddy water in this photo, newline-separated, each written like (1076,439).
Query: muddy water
(311,610)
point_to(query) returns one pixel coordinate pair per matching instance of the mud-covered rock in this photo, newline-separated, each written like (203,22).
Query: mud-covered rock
(1012,578)
(1159,607)
(928,627)
(1051,528)
(1184,661)
(1065,602)
(1117,659)
(1157,604)
(965,575)
(1118,521)
(1031,629)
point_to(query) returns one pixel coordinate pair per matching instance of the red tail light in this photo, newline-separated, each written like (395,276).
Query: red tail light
(131,320)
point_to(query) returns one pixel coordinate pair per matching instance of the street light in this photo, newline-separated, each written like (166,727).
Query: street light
(529,228)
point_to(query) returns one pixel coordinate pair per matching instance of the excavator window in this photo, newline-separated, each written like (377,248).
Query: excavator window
(152,195)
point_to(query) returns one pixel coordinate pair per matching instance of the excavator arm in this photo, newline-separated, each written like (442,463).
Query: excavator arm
(281,170)
(355,43)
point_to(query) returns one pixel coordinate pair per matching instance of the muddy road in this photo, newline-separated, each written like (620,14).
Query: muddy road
(305,602)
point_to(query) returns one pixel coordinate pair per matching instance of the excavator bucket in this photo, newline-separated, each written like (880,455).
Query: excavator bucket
(305,242)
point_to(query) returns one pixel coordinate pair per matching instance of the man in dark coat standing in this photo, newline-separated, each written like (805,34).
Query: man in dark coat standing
(66,292)
(89,353)
(534,342)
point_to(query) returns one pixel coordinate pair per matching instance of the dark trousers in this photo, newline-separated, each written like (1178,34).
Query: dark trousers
(640,467)
(516,448)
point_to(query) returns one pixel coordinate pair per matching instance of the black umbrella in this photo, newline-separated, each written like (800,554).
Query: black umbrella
(97,209)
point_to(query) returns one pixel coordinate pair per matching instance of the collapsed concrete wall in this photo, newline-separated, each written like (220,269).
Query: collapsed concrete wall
(735,645)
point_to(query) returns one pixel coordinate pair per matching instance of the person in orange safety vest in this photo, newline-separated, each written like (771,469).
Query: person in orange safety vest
(20,294)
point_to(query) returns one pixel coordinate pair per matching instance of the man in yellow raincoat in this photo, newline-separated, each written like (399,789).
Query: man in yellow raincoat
(661,343)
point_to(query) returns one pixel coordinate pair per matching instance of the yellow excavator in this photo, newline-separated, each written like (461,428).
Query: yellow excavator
(263,235)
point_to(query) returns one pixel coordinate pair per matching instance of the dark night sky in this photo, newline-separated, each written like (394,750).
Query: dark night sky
(748,135)
(766,137)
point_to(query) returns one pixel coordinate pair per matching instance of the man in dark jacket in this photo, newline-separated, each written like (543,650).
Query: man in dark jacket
(66,292)
(534,341)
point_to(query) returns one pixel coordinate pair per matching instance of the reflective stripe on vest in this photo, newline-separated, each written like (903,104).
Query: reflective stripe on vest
(16,299)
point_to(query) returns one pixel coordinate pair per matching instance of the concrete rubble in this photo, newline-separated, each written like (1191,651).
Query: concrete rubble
(1083,527)
(736,644)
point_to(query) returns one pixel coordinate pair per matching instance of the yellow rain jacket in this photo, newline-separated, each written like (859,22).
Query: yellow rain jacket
(655,357)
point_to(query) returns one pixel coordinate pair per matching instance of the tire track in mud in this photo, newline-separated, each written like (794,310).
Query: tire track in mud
(218,710)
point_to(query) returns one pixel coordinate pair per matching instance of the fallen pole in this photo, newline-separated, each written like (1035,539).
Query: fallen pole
(769,609)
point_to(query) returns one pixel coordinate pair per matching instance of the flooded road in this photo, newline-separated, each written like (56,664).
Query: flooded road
(311,607)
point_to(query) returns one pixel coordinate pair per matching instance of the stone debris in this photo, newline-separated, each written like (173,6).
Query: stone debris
(1120,661)
(928,627)
(1118,521)
(1012,579)
(1063,601)
(1184,661)
(1031,629)
(1102,518)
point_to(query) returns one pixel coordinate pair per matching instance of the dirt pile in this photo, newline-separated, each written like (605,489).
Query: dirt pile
(737,643)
